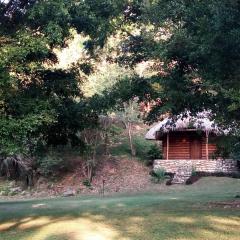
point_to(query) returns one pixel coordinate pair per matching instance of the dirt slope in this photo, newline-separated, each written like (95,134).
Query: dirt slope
(117,174)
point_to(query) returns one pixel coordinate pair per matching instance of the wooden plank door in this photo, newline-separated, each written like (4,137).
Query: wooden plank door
(195,149)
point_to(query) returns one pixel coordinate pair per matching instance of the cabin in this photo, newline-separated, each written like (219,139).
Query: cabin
(187,144)
(190,142)
(187,137)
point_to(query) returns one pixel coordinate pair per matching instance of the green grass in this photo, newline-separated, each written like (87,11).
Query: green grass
(180,212)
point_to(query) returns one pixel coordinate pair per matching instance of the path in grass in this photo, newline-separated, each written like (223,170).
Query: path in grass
(179,213)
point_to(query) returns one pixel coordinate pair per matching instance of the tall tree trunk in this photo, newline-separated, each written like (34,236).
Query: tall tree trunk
(129,128)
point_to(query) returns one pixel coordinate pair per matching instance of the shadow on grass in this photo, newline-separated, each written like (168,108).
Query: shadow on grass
(179,213)
(126,219)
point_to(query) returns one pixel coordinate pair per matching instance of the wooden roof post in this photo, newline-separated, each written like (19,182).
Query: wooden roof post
(207,134)
(167,144)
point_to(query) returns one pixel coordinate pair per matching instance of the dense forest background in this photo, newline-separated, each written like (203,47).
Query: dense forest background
(69,70)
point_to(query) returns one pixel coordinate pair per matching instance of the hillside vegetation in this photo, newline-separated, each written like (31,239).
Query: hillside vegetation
(118,170)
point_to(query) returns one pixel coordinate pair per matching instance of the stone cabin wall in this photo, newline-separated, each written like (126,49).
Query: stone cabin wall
(209,166)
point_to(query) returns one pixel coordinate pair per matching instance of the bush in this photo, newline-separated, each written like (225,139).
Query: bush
(141,145)
(154,152)
(52,164)
(146,151)
(115,130)
(159,175)
(194,171)
(87,183)
(5,190)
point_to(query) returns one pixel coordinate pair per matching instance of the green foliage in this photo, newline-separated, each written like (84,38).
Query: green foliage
(41,106)
(142,146)
(227,147)
(236,151)
(53,163)
(154,152)
(193,46)
(159,175)
(104,78)
(87,183)
(194,171)
(122,148)
(115,130)
(17,135)
(5,189)
(199,67)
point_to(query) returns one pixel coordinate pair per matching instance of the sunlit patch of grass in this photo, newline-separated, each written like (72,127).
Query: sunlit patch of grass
(184,220)
(136,219)
(5,226)
(224,221)
(172,214)
(228,225)
(79,228)
(39,222)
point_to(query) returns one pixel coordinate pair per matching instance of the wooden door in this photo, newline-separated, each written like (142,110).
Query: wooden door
(195,149)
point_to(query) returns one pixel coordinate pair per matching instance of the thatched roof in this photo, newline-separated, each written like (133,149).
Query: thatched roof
(183,122)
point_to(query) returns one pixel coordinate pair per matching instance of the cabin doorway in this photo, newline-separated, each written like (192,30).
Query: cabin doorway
(195,149)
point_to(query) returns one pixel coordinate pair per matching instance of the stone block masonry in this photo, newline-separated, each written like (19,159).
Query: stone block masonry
(209,166)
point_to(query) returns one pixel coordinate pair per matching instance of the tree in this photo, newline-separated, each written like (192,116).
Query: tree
(198,46)
(42,106)
(128,115)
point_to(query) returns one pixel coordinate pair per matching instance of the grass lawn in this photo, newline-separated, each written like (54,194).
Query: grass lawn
(180,212)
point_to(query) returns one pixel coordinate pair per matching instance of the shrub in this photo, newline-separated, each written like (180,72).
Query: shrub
(87,183)
(142,147)
(115,130)
(159,175)
(52,163)
(194,172)
(154,152)
(5,190)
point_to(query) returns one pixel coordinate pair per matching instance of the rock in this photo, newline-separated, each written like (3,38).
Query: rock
(23,193)
(15,190)
(69,193)
(12,184)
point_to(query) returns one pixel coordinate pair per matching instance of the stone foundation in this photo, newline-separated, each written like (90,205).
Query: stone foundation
(202,165)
